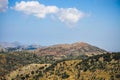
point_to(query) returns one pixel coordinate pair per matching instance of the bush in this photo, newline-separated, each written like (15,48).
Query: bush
(32,72)
(64,75)
(111,77)
(22,78)
(117,76)
(27,76)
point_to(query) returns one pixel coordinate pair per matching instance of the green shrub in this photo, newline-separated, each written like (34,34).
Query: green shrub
(65,75)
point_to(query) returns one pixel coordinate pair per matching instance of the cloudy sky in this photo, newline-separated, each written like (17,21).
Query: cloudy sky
(48,22)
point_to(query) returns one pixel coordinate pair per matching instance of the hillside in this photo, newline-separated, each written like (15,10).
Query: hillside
(13,60)
(28,71)
(98,67)
(74,50)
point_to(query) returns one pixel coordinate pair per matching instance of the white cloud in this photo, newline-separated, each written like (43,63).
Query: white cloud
(70,15)
(67,15)
(3,5)
(35,8)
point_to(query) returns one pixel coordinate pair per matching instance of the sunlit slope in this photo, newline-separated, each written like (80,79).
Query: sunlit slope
(100,67)
(26,72)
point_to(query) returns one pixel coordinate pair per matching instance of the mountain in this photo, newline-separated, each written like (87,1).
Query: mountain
(7,44)
(70,50)
(16,46)
(77,61)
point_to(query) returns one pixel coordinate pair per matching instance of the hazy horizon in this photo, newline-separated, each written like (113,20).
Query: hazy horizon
(45,22)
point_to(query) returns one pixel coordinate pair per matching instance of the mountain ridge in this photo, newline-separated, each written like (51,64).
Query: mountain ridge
(17,46)
(74,49)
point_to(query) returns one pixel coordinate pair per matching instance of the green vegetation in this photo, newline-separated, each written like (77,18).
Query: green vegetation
(10,61)
(96,67)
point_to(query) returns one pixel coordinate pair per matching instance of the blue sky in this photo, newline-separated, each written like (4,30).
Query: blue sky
(49,22)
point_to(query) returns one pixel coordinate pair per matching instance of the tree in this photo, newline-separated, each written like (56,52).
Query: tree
(117,76)
(27,76)
(65,75)
(22,78)
(111,77)
(32,72)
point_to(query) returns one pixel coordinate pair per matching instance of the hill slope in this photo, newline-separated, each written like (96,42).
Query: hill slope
(70,50)
(98,67)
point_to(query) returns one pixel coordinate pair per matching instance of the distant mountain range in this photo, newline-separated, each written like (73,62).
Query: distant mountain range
(16,46)
(74,49)
(8,44)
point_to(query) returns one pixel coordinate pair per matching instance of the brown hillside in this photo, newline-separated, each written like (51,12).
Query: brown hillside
(75,49)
